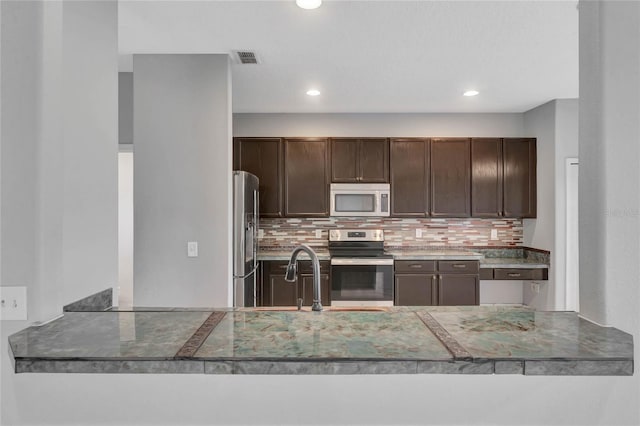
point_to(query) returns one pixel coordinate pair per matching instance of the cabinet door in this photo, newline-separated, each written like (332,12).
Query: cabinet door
(486,177)
(415,290)
(306,183)
(263,158)
(458,289)
(409,177)
(306,282)
(373,160)
(450,178)
(519,156)
(344,160)
(282,292)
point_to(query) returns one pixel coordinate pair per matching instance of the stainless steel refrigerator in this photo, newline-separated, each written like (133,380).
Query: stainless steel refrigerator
(245,238)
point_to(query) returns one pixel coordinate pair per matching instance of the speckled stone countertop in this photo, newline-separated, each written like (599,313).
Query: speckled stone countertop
(398,340)
(419,254)
(285,254)
(511,263)
(431,254)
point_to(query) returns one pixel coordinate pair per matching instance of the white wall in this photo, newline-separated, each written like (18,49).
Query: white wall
(59,182)
(407,125)
(555,125)
(125,227)
(182,180)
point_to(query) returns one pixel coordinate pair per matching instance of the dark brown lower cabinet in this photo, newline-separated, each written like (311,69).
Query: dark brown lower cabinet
(458,289)
(416,290)
(431,283)
(276,291)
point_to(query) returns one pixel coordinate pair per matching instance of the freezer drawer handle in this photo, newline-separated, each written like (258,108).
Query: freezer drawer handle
(514,274)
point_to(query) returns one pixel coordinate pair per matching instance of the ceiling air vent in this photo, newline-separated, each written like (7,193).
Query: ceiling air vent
(247,57)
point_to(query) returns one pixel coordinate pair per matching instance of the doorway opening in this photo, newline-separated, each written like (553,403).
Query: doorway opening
(125,227)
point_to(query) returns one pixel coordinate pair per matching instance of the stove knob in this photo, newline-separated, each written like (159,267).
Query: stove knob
(333,233)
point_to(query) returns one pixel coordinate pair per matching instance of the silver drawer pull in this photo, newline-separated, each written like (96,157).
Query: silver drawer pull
(416,266)
(459,266)
(513,274)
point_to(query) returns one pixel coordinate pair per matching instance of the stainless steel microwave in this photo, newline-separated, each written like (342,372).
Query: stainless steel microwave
(359,199)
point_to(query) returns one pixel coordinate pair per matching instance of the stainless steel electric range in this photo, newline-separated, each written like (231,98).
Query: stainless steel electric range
(361,273)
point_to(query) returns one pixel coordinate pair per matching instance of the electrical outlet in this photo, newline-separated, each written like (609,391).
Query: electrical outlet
(318,233)
(494,234)
(192,249)
(535,287)
(13,303)
(418,233)
(260,234)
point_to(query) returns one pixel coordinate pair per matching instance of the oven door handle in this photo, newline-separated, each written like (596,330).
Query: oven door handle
(360,262)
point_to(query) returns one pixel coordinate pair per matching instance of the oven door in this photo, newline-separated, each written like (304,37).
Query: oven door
(359,280)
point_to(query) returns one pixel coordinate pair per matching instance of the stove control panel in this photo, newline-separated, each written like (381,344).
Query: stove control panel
(356,235)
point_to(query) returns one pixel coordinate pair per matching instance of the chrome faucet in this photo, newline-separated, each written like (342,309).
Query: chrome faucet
(292,271)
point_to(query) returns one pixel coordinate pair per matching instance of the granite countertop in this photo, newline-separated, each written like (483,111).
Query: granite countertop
(285,254)
(511,263)
(394,340)
(418,254)
(434,254)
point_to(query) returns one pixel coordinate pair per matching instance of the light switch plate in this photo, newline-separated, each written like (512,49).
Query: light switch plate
(192,249)
(418,233)
(260,234)
(318,233)
(13,303)
(494,234)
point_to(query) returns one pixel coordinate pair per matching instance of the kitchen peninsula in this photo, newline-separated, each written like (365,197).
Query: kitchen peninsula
(390,340)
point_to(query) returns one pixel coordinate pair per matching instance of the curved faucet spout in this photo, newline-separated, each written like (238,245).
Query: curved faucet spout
(292,272)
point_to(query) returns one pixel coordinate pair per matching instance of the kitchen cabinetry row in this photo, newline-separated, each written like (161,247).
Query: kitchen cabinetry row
(417,283)
(274,290)
(429,177)
(433,283)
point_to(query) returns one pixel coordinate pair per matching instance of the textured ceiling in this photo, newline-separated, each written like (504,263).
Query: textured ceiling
(372,56)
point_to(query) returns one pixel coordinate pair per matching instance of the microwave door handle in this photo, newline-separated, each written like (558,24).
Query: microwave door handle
(375,202)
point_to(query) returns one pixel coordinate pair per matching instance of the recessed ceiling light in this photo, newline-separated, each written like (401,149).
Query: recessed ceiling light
(313,92)
(470,93)
(309,4)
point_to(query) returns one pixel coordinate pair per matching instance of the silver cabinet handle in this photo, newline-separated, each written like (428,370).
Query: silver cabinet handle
(415,266)
(514,274)
(460,266)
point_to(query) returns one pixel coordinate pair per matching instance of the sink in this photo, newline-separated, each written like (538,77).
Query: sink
(325,309)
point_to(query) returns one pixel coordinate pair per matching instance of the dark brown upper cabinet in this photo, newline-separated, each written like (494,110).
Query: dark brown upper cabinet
(263,158)
(450,177)
(519,159)
(306,177)
(409,167)
(486,177)
(359,160)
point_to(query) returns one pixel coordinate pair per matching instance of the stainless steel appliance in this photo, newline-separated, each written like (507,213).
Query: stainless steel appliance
(359,199)
(361,273)
(245,238)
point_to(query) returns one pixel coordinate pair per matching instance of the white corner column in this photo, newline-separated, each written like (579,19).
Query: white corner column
(182,179)
(609,163)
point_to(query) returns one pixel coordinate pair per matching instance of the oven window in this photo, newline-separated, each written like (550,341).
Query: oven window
(347,203)
(361,282)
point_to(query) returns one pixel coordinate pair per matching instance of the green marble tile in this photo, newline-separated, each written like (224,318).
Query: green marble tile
(130,335)
(345,335)
(524,334)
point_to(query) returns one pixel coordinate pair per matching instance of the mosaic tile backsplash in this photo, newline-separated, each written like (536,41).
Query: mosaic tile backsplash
(398,232)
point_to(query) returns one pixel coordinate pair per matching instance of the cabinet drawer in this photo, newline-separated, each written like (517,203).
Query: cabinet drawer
(520,274)
(415,266)
(462,266)
(304,266)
